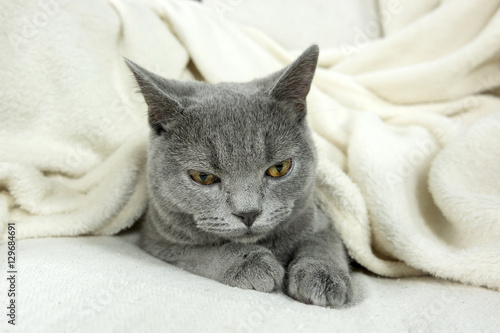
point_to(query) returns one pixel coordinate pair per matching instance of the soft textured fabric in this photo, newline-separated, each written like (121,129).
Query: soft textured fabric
(406,126)
(108,284)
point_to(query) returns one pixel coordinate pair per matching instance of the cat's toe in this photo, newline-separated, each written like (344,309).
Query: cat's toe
(314,282)
(259,270)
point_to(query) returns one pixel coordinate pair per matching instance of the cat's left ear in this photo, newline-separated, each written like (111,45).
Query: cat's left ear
(295,81)
(162,105)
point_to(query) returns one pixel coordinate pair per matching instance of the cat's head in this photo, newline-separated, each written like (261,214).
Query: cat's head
(238,157)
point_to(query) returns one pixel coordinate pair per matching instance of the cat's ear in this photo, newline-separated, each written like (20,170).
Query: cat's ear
(154,88)
(295,80)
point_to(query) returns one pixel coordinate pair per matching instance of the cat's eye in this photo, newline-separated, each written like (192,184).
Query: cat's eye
(203,178)
(280,169)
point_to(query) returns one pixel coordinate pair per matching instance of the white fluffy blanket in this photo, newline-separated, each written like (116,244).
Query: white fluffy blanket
(408,127)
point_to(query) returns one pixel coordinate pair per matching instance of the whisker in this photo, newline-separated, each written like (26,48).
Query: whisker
(210,218)
(216,224)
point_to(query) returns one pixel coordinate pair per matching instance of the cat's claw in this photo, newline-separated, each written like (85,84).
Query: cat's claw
(315,282)
(258,269)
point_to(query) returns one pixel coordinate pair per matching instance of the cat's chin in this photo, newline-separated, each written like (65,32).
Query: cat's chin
(242,236)
(247,238)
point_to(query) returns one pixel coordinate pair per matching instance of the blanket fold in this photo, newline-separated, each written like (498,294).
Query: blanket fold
(407,127)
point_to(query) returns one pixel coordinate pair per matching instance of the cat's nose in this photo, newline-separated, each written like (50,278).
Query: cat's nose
(248,217)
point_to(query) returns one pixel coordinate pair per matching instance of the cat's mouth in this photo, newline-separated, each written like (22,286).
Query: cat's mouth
(235,231)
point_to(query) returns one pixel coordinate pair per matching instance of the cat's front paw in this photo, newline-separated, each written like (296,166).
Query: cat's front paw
(258,269)
(313,281)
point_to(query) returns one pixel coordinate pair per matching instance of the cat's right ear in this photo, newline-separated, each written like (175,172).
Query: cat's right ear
(294,81)
(161,106)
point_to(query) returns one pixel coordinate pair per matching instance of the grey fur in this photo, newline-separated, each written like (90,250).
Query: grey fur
(236,131)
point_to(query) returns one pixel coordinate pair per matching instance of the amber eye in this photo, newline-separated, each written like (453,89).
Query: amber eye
(203,178)
(280,169)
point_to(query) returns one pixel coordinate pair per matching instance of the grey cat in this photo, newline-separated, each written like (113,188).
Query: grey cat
(231,172)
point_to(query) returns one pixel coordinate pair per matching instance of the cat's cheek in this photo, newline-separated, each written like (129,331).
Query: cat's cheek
(292,185)
(200,199)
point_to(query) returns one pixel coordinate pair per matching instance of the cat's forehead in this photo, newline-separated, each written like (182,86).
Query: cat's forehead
(239,130)
(227,94)
(234,108)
